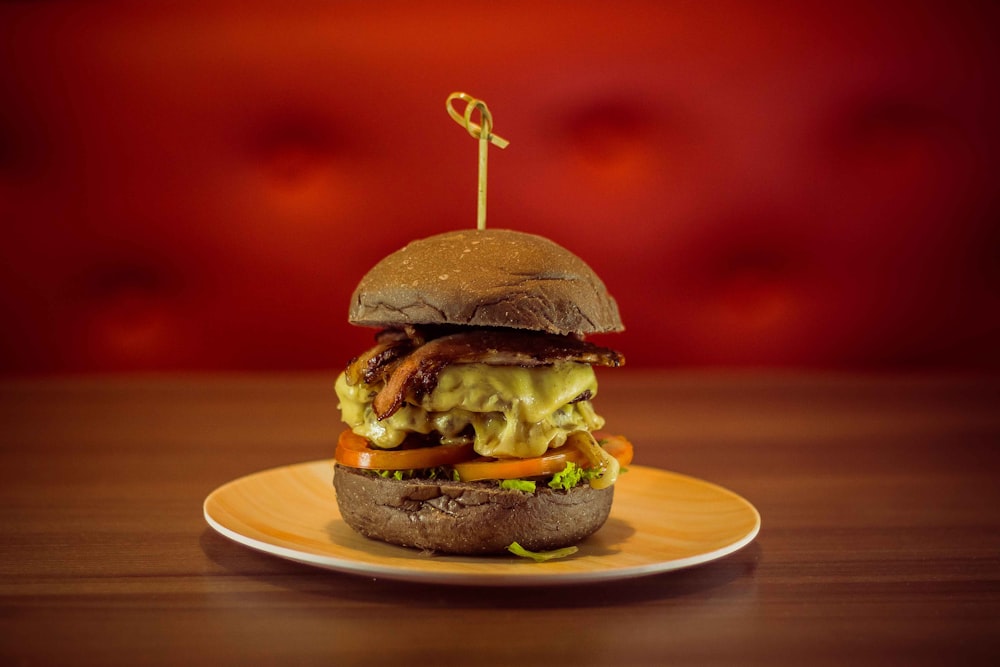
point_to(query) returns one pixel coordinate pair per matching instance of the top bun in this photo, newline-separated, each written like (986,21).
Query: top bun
(486,278)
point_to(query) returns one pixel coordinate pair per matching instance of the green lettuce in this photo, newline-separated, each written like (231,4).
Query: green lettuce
(441,472)
(518,485)
(540,556)
(570,476)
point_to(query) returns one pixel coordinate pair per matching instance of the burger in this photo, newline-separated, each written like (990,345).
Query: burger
(471,428)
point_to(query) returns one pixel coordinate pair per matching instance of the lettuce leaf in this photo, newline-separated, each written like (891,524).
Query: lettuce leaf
(441,472)
(540,556)
(570,476)
(518,485)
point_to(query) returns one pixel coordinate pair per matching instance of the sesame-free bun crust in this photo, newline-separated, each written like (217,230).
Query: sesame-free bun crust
(488,278)
(467,517)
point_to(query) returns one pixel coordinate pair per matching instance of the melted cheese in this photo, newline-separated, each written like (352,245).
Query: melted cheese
(513,411)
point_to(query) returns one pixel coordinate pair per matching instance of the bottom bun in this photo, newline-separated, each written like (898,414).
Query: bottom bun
(467,517)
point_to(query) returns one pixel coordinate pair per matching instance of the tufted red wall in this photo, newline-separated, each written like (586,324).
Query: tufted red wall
(200,185)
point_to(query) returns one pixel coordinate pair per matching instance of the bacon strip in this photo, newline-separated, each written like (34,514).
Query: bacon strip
(418,372)
(372,365)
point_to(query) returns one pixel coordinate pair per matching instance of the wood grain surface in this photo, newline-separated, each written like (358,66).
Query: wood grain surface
(880,541)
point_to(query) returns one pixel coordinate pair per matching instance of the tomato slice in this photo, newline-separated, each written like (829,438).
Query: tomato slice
(618,446)
(354,451)
(547,464)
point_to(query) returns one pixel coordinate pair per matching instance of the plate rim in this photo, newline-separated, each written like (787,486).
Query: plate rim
(532,577)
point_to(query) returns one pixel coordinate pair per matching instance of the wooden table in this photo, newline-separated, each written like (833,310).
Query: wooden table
(880,541)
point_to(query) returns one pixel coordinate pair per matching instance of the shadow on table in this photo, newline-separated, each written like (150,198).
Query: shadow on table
(732,575)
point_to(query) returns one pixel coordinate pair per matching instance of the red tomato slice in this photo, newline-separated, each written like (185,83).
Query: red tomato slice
(618,446)
(356,452)
(547,464)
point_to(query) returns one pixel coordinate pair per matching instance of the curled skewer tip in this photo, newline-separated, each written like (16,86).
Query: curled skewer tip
(482,130)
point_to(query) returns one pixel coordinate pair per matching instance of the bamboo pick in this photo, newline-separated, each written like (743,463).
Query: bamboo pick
(483,131)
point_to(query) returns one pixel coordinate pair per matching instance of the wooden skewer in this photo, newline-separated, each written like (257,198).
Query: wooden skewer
(483,131)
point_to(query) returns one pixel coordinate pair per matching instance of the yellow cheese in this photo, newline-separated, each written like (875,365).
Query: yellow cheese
(513,411)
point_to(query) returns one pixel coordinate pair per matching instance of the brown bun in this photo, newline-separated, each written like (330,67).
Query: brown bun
(487,278)
(467,517)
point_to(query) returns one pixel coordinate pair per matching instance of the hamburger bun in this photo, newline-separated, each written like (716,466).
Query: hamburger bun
(467,518)
(486,278)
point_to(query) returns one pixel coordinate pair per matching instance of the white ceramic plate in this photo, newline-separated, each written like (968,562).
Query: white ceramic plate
(660,521)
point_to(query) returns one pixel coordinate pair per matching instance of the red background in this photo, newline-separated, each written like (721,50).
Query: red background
(201,185)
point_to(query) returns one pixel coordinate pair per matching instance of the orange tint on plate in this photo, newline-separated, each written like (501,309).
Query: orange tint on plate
(660,521)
